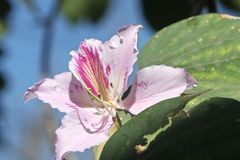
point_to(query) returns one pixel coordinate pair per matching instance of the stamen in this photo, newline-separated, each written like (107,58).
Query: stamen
(96,98)
(98,110)
(91,70)
(106,107)
(86,88)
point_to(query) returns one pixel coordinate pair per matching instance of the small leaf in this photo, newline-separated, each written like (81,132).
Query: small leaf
(97,9)
(3,26)
(124,116)
(77,10)
(74,10)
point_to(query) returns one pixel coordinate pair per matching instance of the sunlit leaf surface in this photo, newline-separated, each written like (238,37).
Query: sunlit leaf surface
(207,46)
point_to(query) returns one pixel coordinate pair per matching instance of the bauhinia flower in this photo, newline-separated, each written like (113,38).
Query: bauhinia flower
(92,92)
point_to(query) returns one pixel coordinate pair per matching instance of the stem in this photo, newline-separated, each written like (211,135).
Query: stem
(46,48)
(117,121)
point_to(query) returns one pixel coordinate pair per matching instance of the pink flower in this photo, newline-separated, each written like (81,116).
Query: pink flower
(92,92)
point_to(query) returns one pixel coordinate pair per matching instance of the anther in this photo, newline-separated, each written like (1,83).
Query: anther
(99,96)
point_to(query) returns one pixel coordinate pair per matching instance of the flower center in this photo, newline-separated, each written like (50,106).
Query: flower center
(93,75)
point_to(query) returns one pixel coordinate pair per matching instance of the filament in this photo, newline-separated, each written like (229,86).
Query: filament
(107,109)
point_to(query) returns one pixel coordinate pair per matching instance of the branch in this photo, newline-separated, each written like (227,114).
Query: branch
(34,10)
(48,39)
(45,65)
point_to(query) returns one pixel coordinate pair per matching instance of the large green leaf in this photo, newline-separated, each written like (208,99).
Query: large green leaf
(211,131)
(208,46)
(208,131)
(144,127)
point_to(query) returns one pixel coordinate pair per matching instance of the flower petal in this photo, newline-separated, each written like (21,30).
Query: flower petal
(63,92)
(73,135)
(88,68)
(119,56)
(154,84)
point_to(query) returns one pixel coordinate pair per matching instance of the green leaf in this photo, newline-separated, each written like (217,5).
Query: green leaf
(210,132)
(5,8)
(97,9)
(208,46)
(123,116)
(2,27)
(77,10)
(74,10)
(138,130)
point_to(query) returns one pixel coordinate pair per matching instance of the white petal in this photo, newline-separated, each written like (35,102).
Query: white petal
(154,84)
(74,135)
(63,92)
(119,55)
